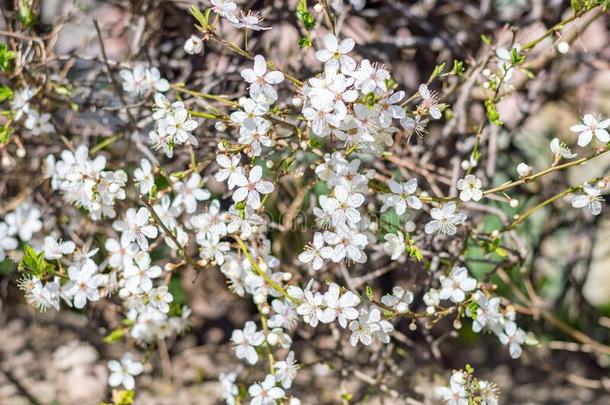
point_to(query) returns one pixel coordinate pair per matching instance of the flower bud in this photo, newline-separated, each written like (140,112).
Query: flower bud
(514,203)
(220,126)
(193,45)
(563,47)
(465,165)
(523,169)
(297,102)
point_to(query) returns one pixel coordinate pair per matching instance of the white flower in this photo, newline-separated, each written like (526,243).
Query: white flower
(193,45)
(229,169)
(54,249)
(225,8)
(370,77)
(402,195)
(229,390)
(591,126)
(213,248)
(160,298)
(429,102)
(470,187)
(348,244)
(321,118)
(364,328)
(20,104)
(246,340)
(138,277)
(488,314)
(135,81)
(316,252)
(135,227)
(179,126)
(311,306)
(456,285)
(524,169)
(40,296)
(590,198)
(250,188)
(456,393)
(38,123)
(144,177)
(266,392)
(83,284)
(24,221)
(342,308)
(415,125)
(121,253)
(249,21)
(260,80)
(286,370)
(388,110)
(285,315)
(399,300)
(445,219)
(7,242)
(394,244)
(254,133)
(334,54)
(122,373)
(561,149)
(189,192)
(514,337)
(344,206)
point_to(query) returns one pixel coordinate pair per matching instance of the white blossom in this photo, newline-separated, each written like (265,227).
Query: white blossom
(470,187)
(591,126)
(123,372)
(445,219)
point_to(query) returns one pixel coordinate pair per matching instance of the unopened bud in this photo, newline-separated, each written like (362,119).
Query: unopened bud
(563,47)
(220,126)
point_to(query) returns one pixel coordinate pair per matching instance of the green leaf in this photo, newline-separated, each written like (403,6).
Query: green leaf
(575,5)
(115,335)
(6,56)
(26,15)
(6,93)
(369,292)
(123,397)
(458,67)
(35,263)
(437,71)
(5,133)
(492,113)
(304,42)
(304,15)
(486,39)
